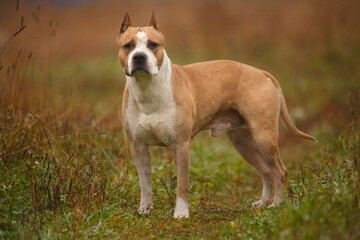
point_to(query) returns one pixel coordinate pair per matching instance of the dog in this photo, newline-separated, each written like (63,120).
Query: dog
(165,104)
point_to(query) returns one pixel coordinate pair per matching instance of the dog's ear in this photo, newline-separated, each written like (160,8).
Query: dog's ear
(125,23)
(152,22)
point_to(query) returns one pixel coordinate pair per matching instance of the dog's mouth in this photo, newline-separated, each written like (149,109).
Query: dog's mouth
(137,71)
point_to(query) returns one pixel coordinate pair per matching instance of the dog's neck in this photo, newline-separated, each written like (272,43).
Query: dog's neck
(151,92)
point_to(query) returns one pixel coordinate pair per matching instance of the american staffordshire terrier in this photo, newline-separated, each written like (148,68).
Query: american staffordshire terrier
(165,104)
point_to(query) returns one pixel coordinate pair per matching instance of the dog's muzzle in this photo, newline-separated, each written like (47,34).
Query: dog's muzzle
(139,61)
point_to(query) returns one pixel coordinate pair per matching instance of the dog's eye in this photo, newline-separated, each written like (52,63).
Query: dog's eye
(153,45)
(127,46)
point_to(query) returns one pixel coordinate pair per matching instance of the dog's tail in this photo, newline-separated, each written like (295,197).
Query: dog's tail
(284,111)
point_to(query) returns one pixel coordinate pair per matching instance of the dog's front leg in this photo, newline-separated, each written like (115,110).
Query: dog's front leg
(182,161)
(142,161)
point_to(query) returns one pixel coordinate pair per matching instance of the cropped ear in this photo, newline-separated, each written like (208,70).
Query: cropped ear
(125,23)
(152,22)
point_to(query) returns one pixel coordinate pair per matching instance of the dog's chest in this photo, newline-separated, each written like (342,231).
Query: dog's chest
(152,122)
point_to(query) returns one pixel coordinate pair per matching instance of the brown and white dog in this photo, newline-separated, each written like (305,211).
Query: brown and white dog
(165,104)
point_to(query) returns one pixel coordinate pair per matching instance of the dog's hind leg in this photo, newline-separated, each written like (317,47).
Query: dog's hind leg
(246,146)
(266,141)
(261,114)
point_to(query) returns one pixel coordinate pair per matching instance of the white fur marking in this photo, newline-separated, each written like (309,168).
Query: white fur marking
(181,209)
(151,108)
(141,47)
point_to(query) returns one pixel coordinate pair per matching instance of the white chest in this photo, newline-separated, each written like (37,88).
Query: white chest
(155,127)
(151,110)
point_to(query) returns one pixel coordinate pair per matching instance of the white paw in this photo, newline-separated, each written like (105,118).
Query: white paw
(273,205)
(277,201)
(181,209)
(146,208)
(181,214)
(259,203)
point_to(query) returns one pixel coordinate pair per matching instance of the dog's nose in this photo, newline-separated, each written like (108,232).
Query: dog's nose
(139,57)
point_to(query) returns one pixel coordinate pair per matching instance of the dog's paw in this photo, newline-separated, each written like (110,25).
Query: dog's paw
(146,208)
(273,205)
(260,203)
(181,214)
(181,209)
(276,203)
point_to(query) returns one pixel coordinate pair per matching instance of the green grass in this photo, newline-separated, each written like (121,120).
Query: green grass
(322,199)
(66,172)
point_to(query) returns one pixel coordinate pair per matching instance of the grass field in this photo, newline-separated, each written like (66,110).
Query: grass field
(66,172)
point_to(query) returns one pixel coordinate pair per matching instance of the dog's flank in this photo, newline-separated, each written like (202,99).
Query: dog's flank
(166,104)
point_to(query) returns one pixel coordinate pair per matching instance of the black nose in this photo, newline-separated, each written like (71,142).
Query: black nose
(139,57)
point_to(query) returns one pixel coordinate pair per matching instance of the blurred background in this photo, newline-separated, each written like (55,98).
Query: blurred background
(61,55)
(63,29)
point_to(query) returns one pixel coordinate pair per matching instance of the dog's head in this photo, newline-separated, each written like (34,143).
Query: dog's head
(141,49)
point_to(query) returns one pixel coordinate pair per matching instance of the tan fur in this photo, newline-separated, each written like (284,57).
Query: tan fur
(223,96)
(130,36)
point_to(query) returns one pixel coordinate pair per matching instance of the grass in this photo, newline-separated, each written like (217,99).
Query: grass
(66,172)
(50,194)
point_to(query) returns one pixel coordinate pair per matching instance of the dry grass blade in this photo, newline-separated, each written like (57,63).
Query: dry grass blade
(19,31)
